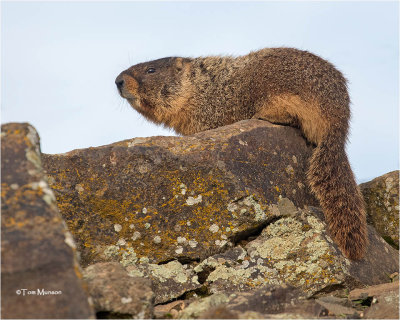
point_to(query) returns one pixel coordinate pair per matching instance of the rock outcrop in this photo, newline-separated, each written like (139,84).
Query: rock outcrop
(297,250)
(220,224)
(382,200)
(40,275)
(185,198)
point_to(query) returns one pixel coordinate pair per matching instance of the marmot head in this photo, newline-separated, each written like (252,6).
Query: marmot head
(155,88)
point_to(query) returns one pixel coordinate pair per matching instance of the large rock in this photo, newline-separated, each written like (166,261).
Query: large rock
(186,198)
(382,201)
(40,276)
(297,250)
(221,212)
(161,205)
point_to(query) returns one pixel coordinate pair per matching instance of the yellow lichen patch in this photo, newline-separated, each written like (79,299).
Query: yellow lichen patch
(19,199)
(186,207)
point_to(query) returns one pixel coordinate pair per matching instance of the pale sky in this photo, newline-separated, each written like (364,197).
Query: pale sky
(59,61)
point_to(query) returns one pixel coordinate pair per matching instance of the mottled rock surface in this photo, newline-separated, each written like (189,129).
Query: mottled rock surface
(384,298)
(115,292)
(169,281)
(40,276)
(169,310)
(338,307)
(382,202)
(260,303)
(178,197)
(384,306)
(199,306)
(297,250)
(215,225)
(372,291)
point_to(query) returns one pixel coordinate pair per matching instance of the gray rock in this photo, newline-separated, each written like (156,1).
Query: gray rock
(169,281)
(182,198)
(338,307)
(384,306)
(384,297)
(198,307)
(372,291)
(382,203)
(40,275)
(271,300)
(114,291)
(297,250)
(225,210)
(265,302)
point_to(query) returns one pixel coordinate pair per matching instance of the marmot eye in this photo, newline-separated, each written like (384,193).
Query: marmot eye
(150,70)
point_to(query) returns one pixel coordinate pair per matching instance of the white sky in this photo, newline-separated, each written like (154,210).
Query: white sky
(59,61)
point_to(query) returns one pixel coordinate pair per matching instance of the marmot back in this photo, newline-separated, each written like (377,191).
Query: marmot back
(281,85)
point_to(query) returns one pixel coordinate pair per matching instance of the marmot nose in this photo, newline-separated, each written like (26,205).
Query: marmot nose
(119,82)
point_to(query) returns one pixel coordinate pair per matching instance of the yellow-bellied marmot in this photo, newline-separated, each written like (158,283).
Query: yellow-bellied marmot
(281,85)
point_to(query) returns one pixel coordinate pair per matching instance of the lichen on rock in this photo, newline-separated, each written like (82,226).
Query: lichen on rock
(169,281)
(38,253)
(228,231)
(294,250)
(382,202)
(170,187)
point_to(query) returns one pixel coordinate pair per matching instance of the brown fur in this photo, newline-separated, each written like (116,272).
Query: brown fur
(281,85)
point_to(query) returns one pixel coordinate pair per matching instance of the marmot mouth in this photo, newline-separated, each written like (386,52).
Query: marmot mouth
(134,102)
(139,104)
(128,95)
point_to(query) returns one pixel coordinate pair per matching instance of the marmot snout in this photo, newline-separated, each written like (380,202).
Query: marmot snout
(153,88)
